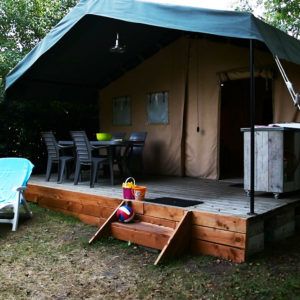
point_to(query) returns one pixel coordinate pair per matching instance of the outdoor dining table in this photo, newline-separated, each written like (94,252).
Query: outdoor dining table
(109,145)
(103,144)
(97,144)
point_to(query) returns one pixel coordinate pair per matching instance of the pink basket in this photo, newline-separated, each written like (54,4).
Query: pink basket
(128,192)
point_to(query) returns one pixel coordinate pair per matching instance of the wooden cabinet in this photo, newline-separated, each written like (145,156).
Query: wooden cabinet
(277,159)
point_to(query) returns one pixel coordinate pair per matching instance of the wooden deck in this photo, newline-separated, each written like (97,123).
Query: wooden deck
(217,196)
(220,226)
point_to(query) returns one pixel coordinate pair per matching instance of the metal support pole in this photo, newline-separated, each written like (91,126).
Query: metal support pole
(252,121)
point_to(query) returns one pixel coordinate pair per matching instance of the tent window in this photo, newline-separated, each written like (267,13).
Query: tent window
(158,108)
(122,111)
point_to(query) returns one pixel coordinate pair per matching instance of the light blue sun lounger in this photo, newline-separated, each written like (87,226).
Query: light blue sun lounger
(14,174)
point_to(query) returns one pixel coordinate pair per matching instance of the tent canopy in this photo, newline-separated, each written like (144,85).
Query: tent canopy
(76,51)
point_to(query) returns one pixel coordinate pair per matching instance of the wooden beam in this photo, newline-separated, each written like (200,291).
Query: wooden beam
(34,192)
(219,236)
(137,206)
(163,212)
(225,222)
(91,220)
(97,211)
(141,233)
(105,228)
(213,249)
(281,225)
(157,221)
(179,241)
(89,210)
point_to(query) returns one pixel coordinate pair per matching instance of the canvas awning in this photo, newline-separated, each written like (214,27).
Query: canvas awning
(75,52)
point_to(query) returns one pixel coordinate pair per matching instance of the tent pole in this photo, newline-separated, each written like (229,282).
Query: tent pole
(252,121)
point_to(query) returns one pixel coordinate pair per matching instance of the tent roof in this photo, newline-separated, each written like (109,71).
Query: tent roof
(76,52)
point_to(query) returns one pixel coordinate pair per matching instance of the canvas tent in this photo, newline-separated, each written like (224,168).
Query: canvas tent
(143,24)
(183,50)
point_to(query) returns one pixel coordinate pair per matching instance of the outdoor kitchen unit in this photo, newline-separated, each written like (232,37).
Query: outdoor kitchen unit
(277,158)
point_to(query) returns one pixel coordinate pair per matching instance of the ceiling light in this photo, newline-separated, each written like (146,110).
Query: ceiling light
(117,48)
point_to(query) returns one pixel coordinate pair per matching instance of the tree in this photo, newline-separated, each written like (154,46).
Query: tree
(283,14)
(23,24)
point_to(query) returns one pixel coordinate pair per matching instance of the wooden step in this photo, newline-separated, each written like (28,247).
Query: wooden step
(172,241)
(142,233)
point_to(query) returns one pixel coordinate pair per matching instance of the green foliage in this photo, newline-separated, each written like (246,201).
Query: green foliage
(281,14)
(23,24)
(284,15)
(25,120)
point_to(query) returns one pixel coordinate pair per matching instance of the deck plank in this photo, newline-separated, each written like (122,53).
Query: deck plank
(226,252)
(223,237)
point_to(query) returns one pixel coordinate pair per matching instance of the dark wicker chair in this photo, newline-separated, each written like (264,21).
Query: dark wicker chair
(55,157)
(85,157)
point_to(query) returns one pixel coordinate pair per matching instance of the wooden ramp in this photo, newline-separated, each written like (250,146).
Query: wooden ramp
(172,241)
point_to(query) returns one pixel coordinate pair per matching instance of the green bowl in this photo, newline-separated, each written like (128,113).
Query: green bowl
(102,136)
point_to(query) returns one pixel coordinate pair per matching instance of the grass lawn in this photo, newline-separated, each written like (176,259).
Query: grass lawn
(49,258)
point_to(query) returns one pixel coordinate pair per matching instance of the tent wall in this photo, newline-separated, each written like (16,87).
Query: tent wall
(208,60)
(166,71)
